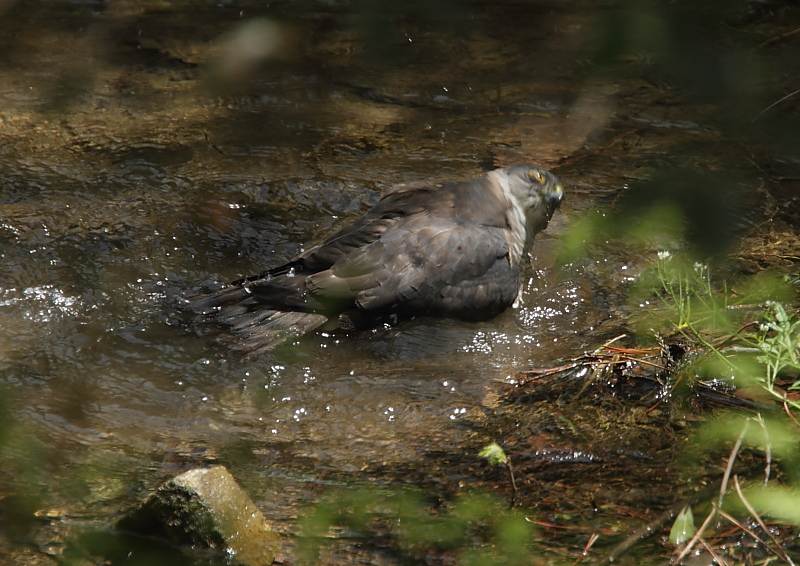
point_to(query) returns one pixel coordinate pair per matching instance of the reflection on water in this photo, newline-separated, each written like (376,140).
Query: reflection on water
(144,181)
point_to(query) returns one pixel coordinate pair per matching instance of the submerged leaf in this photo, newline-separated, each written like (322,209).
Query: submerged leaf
(683,528)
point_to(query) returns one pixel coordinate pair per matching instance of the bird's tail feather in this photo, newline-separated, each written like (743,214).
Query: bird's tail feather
(255,327)
(264,330)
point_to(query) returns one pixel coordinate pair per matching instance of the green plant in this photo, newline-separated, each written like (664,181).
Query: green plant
(685,290)
(778,340)
(494,454)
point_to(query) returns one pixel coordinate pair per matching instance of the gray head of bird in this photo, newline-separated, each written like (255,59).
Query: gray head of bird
(536,192)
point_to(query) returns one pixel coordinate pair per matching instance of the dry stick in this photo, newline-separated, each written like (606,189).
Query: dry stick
(592,539)
(767,448)
(727,475)
(723,488)
(778,548)
(779,38)
(774,104)
(653,526)
(590,544)
(546,372)
(688,548)
(721,561)
(633,351)
(750,532)
(640,361)
(607,344)
(514,491)
(789,413)
(536,373)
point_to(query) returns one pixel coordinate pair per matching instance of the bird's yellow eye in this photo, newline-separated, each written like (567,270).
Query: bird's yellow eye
(536,175)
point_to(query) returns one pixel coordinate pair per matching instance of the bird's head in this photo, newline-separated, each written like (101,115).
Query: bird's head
(537,192)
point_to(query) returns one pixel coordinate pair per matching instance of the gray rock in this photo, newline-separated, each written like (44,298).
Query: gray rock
(207,508)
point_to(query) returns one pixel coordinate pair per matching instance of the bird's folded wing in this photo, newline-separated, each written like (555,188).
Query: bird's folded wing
(392,208)
(424,263)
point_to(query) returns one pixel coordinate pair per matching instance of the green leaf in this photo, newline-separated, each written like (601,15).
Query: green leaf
(683,528)
(494,454)
(782,503)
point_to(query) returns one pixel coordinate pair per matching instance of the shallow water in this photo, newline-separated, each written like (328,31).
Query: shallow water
(131,175)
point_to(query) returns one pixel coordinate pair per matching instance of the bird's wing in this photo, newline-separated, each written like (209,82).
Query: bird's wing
(391,209)
(427,264)
(399,203)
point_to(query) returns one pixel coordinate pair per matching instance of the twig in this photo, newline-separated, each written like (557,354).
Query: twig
(545,372)
(727,475)
(632,351)
(778,38)
(643,532)
(789,413)
(767,448)
(514,489)
(607,344)
(750,532)
(778,548)
(730,337)
(587,547)
(688,548)
(774,104)
(719,560)
(212,144)
(640,361)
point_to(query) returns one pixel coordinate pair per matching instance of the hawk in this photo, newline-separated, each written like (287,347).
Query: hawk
(451,249)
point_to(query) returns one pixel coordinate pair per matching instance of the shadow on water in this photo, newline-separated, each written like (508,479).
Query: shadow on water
(143,157)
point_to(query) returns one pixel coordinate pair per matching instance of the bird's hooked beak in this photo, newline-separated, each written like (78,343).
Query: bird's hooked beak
(555,196)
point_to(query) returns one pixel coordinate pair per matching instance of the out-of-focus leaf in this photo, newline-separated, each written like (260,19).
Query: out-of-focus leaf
(494,454)
(683,528)
(764,286)
(660,226)
(582,233)
(778,502)
(741,370)
(725,429)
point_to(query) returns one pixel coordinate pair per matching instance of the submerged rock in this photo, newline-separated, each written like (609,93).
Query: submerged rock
(207,508)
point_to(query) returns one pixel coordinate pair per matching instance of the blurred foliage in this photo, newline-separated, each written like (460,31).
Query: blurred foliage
(738,338)
(774,435)
(745,333)
(22,458)
(761,339)
(494,454)
(675,293)
(779,502)
(476,528)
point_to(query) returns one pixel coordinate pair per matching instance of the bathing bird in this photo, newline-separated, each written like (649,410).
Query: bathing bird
(452,249)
